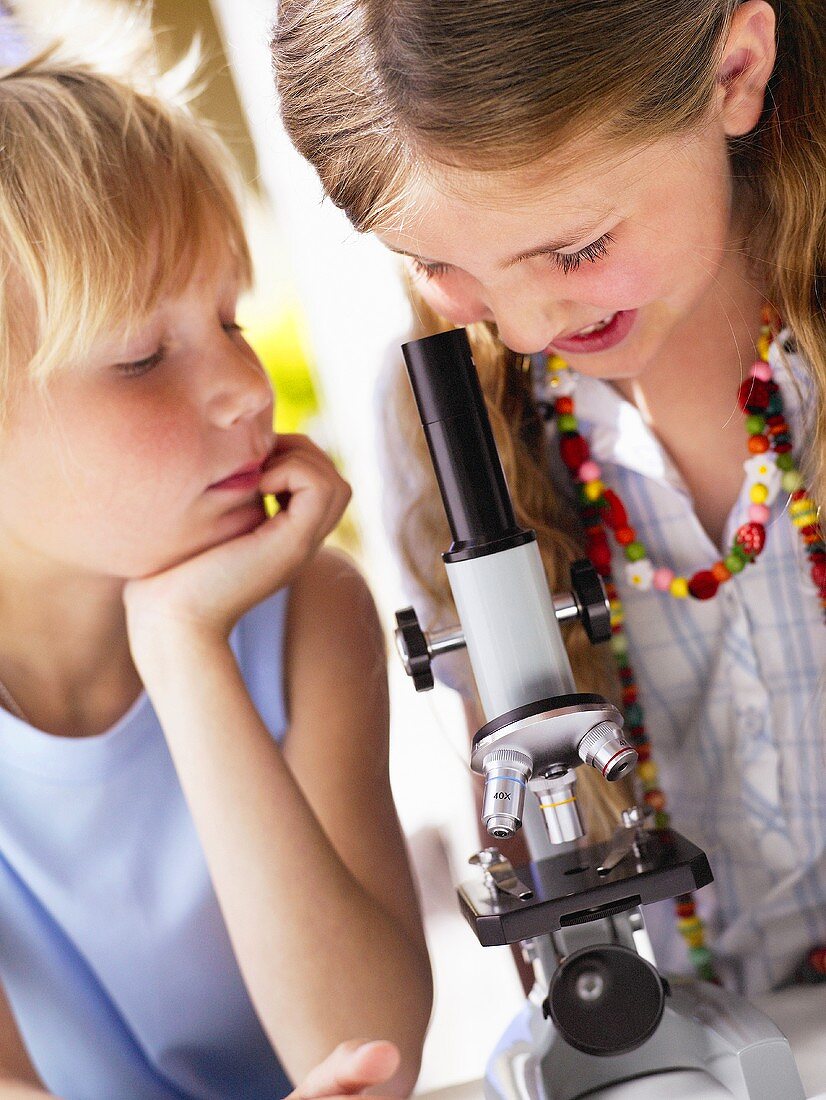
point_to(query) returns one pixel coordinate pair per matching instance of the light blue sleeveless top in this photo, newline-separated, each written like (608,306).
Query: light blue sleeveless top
(113,951)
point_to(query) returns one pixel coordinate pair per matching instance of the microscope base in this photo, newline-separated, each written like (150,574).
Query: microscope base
(705,1031)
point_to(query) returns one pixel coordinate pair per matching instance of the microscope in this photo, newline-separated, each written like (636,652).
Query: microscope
(600,1020)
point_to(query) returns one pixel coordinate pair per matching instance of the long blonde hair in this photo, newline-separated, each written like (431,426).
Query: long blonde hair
(108,195)
(371,90)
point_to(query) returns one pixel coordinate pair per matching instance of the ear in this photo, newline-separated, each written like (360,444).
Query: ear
(747,63)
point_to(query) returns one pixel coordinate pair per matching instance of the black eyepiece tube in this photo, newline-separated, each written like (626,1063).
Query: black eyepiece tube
(460,440)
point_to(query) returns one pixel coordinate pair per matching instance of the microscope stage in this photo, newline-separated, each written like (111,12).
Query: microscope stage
(568,889)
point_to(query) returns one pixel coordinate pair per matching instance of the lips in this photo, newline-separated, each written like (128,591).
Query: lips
(601,338)
(245,477)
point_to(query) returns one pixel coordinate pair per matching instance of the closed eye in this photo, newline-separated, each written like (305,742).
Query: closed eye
(571,261)
(565,261)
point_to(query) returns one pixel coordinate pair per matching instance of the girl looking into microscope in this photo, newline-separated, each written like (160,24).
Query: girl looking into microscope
(626,205)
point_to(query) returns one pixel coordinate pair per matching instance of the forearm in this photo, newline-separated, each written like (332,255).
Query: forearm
(323,961)
(19,1090)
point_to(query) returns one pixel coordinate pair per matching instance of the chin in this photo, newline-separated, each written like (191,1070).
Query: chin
(231,525)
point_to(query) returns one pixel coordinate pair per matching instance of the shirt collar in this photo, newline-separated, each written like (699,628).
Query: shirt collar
(617,433)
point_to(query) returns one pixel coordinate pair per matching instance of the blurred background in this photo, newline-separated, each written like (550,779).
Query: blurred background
(327,312)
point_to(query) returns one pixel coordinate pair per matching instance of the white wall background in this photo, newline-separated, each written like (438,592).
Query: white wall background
(351,295)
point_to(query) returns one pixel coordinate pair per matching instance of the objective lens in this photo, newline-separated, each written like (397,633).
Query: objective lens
(507,772)
(557,801)
(605,749)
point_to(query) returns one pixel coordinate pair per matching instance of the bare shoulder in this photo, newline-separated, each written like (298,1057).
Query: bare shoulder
(335,648)
(330,598)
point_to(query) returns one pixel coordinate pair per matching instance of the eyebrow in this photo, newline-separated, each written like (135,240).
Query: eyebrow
(574,235)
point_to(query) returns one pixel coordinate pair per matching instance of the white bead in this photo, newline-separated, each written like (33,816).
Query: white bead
(763,469)
(640,574)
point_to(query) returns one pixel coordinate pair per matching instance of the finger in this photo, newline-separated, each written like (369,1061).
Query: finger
(352,1067)
(312,498)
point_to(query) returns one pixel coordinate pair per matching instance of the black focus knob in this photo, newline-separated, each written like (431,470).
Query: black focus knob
(606,1000)
(413,650)
(592,602)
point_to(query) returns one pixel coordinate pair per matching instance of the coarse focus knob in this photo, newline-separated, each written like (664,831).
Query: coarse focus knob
(592,602)
(413,649)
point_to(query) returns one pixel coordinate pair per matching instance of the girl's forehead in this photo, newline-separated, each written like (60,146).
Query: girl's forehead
(569,189)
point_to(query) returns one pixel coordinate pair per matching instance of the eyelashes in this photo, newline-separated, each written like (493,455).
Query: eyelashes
(144,366)
(563,262)
(591,253)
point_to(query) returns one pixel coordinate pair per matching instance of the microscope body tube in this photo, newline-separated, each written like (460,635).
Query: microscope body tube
(513,641)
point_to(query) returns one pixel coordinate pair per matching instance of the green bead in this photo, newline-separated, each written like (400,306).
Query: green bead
(785,461)
(775,405)
(566,422)
(635,551)
(792,481)
(700,956)
(661,820)
(633,715)
(744,556)
(619,645)
(734,563)
(755,424)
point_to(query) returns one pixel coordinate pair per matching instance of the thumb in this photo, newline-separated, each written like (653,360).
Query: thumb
(352,1067)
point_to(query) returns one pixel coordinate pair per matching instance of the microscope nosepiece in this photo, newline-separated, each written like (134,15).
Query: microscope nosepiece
(605,749)
(507,772)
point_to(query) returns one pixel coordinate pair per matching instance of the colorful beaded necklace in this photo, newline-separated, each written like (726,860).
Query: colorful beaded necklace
(770,468)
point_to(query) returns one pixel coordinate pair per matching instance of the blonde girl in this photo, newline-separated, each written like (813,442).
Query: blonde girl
(203,885)
(626,203)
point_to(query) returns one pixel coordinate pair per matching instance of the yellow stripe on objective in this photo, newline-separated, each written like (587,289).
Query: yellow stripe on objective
(550,805)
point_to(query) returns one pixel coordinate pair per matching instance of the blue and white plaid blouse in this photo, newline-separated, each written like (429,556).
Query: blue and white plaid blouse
(733,694)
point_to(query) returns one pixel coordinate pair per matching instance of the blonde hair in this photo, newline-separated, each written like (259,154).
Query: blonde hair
(374,91)
(108,194)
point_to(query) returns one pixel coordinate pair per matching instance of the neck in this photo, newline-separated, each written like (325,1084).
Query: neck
(688,397)
(64,653)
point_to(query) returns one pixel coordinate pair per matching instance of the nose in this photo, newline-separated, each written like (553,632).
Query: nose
(240,388)
(526,322)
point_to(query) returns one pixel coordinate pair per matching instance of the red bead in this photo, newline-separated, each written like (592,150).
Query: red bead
(758,444)
(753,395)
(564,406)
(643,753)
(703,585)
(629,695)
(655,799)
(574,451)
(600,555)
(625,535)
(799,494)
(685,909)
(819,574)
(782,448)
(615,514)
(751,537)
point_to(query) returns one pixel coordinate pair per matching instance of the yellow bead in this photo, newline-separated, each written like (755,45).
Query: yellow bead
(556,362)
(806,519)
(617,618)
(759,493)
(594,489)
(689,924)
(695,939)
(763,344)
(803,505)
(647,771)
(679,588)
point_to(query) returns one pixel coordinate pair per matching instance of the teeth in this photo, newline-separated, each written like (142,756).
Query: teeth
(595,328)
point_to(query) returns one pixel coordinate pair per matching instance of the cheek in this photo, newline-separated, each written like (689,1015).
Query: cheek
(452,297)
